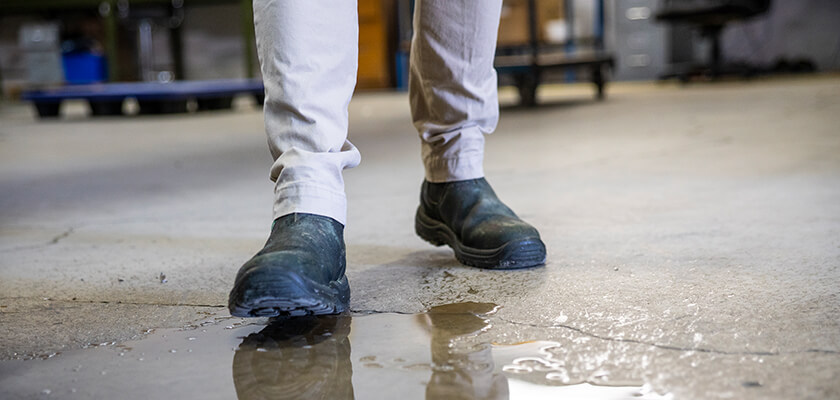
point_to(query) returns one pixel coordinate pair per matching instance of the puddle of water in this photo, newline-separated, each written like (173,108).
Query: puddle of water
(441,354)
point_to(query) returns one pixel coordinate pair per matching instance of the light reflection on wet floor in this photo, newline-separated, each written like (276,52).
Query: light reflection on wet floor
(441,354)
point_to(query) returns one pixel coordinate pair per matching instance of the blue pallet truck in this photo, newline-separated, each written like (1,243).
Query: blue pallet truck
(152,97)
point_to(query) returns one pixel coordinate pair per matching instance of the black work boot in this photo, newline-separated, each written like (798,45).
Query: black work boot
(300,271)
(468,217)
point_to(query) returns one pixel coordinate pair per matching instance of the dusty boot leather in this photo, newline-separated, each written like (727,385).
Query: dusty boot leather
(300,271)
(468,217)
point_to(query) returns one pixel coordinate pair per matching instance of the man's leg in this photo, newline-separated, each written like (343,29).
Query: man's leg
(308,53)
(452,88)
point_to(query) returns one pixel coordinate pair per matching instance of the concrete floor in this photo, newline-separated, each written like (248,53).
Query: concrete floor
(693,237)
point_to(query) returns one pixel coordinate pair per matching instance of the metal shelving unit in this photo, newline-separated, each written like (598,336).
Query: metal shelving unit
(529,65)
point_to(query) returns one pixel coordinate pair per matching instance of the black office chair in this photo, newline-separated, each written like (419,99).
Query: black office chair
(711,16)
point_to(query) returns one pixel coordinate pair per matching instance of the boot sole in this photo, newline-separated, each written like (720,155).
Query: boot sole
(273,293)
(525,253)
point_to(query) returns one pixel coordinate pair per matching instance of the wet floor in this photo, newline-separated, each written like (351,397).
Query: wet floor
(691,235)
(448,352)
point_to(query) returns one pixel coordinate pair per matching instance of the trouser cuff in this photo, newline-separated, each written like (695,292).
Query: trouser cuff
(310,200)
(439,169)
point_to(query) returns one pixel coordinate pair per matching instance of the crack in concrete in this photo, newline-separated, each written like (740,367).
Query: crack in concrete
(131,303)
(371,312)
(63,235)
(612,339)
(54,240)
(561,326)
(671,347)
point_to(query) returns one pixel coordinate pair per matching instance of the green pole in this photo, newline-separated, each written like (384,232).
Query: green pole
(108,11)
(248,37)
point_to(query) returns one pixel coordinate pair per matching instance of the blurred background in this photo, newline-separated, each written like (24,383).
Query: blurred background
(50,42)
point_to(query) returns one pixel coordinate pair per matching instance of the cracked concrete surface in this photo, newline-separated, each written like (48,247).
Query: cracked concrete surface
(692,232)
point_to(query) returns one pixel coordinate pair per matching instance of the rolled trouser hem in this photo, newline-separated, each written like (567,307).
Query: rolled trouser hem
(440,170)
(310,200)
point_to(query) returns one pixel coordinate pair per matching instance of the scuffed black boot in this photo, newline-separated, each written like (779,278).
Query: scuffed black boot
(300,271)
(468,217)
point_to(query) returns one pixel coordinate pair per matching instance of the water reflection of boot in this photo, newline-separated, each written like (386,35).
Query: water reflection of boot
(296,358)
(462,372)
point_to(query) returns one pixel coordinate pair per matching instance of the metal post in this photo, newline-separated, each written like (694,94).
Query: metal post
(145,45)
(533,38)
(569,10)
(107,9)
(599,25)
(176,37)
(248,36)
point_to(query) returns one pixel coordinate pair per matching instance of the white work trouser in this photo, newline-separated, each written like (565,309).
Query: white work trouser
(308,52)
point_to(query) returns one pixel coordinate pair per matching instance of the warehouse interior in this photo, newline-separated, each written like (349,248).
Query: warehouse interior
(678,157)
